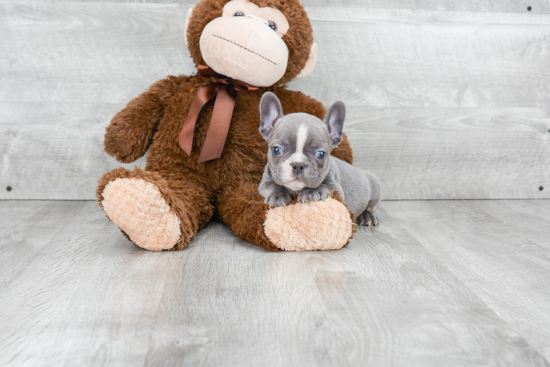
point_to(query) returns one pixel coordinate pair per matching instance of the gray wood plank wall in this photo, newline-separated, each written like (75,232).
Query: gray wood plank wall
(502,6)
(447,99)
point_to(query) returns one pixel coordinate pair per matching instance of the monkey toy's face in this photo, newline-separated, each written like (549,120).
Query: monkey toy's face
(246,43)
(252,43)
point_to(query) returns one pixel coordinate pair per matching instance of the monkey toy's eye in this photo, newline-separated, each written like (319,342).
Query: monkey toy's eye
(320,155)
(239,14)
(277,151)
(272,25)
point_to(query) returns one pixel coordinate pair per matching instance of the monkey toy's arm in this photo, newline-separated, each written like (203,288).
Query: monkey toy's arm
(130,132)
(293,101)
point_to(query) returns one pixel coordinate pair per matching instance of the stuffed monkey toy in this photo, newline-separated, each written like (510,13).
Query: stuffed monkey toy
(202,132)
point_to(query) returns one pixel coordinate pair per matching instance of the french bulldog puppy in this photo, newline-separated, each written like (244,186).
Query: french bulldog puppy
(299,161)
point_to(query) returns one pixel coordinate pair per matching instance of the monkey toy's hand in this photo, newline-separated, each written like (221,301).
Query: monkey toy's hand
(130,132)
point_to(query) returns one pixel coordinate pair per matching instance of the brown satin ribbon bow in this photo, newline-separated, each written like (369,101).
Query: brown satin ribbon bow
(225,90)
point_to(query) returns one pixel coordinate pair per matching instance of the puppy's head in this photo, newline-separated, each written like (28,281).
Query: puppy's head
(299,144)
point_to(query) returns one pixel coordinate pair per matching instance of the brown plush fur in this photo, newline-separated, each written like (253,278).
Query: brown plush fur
(191,189)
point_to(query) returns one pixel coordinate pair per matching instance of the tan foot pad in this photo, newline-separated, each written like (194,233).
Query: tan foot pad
(138,208)
(319,225)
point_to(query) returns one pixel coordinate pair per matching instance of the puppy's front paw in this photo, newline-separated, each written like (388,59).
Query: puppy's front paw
(317,194)
(278,198)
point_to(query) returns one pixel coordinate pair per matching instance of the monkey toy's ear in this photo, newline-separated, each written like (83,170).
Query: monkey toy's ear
(311,62)
(270,111)
(187,18)
(335,121)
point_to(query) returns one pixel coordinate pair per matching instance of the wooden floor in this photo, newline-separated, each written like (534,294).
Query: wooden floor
(439,283)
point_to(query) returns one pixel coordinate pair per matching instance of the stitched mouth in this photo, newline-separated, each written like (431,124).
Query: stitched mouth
(241,46)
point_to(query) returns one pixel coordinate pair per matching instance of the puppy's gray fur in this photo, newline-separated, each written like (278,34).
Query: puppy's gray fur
(295,164)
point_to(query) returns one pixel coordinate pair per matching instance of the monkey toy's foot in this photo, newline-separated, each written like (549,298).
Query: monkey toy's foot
(139,210)
(367,218)
(317,225)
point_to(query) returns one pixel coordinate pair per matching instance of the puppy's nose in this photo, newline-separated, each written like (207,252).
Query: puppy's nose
(298,167)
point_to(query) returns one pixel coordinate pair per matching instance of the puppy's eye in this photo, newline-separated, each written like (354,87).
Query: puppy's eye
(277,151)
(272,25)
(239,14)
(320,155)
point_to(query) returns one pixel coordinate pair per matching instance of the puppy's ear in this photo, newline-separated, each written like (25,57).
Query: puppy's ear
(335,121)
(270,111)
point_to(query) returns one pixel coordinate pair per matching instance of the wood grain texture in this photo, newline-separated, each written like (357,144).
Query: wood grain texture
(500,261)
(88,52)
(530,217)
(55,150)
(500,6)
(453,153)
(110,52)
(78,293)
(492,6)
(379,57)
